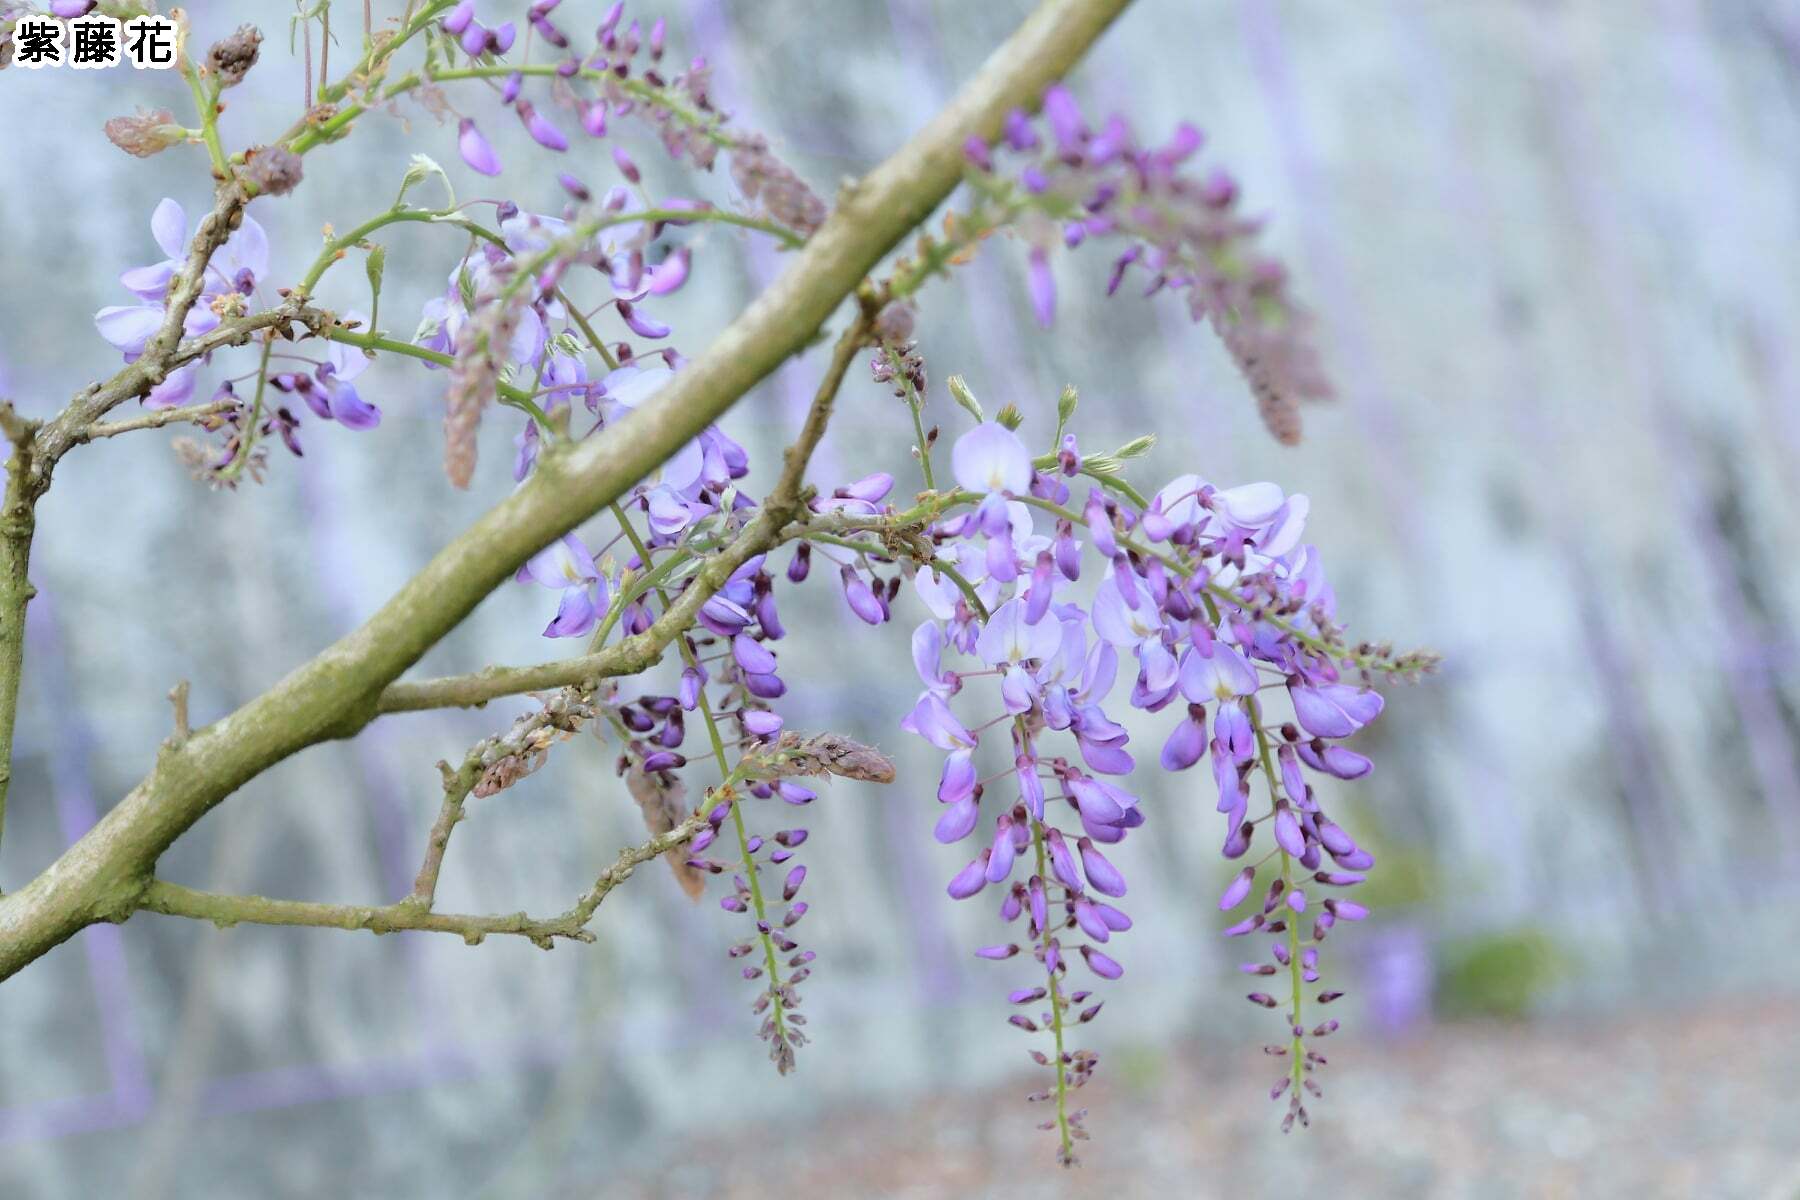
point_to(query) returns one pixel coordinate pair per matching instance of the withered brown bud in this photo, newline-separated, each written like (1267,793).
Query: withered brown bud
(231,58)
(274,170)
(145,134)
(895,322)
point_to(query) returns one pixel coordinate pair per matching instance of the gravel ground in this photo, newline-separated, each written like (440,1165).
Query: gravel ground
(1688,1104)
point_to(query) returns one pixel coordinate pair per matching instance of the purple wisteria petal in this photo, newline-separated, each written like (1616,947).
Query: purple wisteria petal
(1291,779)
(1102,876)
(970,880)
(762,723)
(1218,675)
(128,326)
(957,821)
(593,118)
(475,149)
(1186,744)
(991,458)
(1064,116)
(1237,889)
(457,20)
(1031,788)
(1008,638)
(168,225)
(177,388)
(641,322)
(542,131)
(1334,710)
(861,598)
(1335,760)
(752,655)
(1042,287)
(928,657)
(1230,785)
(150,283)
(667,276)
(1003,851)
(575,614)
(349,409)
(957,782)
(566,560)
(1287,831)
(932,720)
(1101,964)
(1062,863)
(1088,918)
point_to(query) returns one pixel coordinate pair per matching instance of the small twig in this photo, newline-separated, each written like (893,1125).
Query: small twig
(156,419)
(174,900)
(457,785)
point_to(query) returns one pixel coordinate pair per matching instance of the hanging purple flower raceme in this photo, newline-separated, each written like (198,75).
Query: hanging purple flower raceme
(997,596)
(1184,233)
(622,72)
(1211,605)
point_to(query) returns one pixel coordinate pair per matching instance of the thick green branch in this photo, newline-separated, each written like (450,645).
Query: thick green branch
(104,874)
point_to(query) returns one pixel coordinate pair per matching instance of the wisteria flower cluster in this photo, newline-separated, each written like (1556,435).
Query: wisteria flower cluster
(1213,596)
(1064,183)
(1047,596)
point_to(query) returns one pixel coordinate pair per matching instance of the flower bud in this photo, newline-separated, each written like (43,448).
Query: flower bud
(231,58)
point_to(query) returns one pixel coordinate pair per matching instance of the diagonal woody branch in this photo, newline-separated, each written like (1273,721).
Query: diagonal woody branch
(103,875)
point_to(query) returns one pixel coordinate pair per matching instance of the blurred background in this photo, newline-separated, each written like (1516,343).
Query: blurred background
(1550,245)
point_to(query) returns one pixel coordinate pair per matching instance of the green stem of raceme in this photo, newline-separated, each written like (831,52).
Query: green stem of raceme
(643,583)
(638,90)
(1317,645)
(1056,1008)
(305,135)
(942,502)
(773,966)
(916,404)
(336,248)
(937,254)
(206,103)
(588,332)
(508,394)
(516,397)
(1296,1050)
(962,585)
(247,431)
(737,818)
